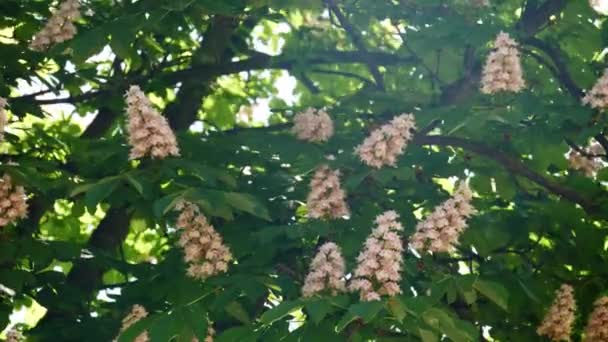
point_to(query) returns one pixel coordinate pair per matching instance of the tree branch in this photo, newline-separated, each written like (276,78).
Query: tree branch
(263,61)
(343,74)
(560,69)
(257,61)
(511,164)
(355,36)
(183,111)
(536,17)
(85,277)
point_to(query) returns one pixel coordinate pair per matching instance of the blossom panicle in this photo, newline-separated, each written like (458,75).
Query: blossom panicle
(589,162)
(313,125)
(59,28)
(326,198)
(597,97)
(502,71)
(378,270)
(597,325)
(204,250)
(326,272)
(13,201)
(385,144)
(149,132)
(557,323)
(440,231)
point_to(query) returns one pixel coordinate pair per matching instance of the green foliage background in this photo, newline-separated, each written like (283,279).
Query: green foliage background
(99,237)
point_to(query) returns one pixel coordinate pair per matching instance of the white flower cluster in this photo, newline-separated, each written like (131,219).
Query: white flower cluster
(313,125)
(388,142)
(326,198)
(149,132)
(204,249)
(3,116)
(597,326)
(557,324)
(440,231)
(378,269)
(502,71)
(326,272)
(13,201)
(137,313)
(588,164)
(597,97)
(60,26)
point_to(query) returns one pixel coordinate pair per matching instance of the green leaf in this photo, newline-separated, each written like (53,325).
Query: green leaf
(397,308)
(493,291)
(98,192)
(165,204)
(238,334)
(123,32)
(280,311)
(136,184)
(166,327)
(196,318)
(80,189)
(427,335)
(365,311)
(248,203)
(86,44)
(318,309)
(236,310)
(139,327)
(442,322)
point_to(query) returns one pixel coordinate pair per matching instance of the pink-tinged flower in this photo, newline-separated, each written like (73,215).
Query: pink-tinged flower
(588,163)
(326,198)
(502,71)
(59,28)
(597,97)
(440,230)
(149,132)
(13,201)
(378,270)
(387,143)
(597,325)
(557,324)
(326,272)
(137,313)
(204,250)
(313,125)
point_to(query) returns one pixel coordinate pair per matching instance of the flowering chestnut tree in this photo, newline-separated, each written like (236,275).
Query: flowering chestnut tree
(303,170)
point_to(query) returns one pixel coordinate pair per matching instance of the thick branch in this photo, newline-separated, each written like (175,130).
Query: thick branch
(535,18)
(86,275)
(102,122)
(258,61)
(560,71)
(183,111)
(355,36)
(263,61)
(511,164)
